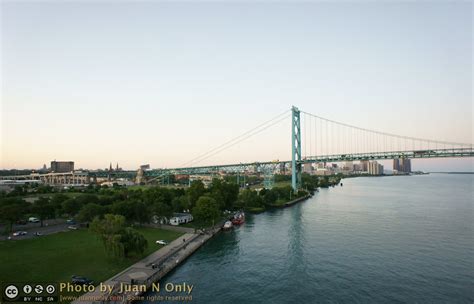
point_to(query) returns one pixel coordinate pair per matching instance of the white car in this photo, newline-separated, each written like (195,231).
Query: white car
(161,242)
(33,220)
(72,227)
(19,233)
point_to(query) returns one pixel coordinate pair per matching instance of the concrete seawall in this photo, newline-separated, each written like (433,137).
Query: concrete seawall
(149,270)
(155,266)
(291,203)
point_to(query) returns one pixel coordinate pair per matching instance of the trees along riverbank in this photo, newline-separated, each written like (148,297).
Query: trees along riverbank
(114,216)
(141,205)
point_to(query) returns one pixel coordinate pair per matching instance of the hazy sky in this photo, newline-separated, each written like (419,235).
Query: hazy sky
(161,82)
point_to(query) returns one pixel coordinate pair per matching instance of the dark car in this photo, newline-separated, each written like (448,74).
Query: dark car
(21,222)
(71,222)
(78,280)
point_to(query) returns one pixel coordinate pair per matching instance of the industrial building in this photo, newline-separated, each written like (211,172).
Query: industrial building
(62,166)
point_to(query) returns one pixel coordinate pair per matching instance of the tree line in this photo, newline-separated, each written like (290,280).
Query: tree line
(139,205)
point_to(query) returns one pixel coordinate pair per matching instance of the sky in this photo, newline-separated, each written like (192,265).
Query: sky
(160,83)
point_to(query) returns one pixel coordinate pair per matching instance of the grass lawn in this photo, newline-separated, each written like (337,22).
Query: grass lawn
(56,257)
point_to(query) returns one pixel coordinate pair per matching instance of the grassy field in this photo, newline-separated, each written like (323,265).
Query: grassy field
(58,256)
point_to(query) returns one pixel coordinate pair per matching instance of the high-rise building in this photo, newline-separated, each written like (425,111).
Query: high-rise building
(405,165)
(364,165)
(396,164)
(375,168)
(62,166)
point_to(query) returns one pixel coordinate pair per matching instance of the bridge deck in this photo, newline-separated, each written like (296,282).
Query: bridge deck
(240,167)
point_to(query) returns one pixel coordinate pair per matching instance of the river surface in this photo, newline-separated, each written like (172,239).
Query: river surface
(394,239)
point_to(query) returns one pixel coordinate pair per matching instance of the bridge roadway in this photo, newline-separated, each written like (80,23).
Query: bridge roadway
(241,167)
(82,177)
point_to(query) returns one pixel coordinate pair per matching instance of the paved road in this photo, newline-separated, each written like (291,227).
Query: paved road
(29,226)
(49,227)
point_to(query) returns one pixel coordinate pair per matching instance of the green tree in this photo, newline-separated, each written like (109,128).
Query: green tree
(44,209)
(87,199)
(250,199)
(309,182)
(90,211)
(109,230)
(206,210)
(141,212)
(44,189)
(18,190)
(161,209)
(224,193)
(269,197)
(323,182)
(71,206)
(133,210)
(118,240)
(133,242)
(57,199)
(284,193)
(124,208)
(195,191)
(11,210)
(180,203)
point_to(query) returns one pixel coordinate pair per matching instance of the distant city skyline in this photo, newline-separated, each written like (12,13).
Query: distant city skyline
(160,82)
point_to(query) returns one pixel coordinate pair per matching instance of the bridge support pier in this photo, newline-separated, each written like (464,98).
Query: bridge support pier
(295,149)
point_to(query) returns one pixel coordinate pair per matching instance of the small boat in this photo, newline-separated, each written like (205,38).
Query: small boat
(227,225)
(239,218)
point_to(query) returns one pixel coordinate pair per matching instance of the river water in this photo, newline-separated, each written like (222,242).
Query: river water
(405,239)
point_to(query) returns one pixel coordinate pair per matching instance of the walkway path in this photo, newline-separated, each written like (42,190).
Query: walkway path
(149,270)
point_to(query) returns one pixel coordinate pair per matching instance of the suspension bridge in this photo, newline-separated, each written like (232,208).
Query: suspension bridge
(314,139)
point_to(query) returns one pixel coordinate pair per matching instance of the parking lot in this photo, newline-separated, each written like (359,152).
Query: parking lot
(49,227)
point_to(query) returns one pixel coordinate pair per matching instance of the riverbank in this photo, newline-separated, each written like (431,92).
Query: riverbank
(291,203)
(130,284)
(360,236)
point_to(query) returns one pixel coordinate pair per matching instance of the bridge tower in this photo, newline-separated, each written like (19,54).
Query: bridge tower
(295,149)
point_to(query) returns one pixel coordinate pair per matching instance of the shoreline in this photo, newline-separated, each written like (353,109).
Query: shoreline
(147,271)
(290,203)
(169,257)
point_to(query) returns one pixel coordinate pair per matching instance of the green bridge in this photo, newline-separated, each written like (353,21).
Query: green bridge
(314,139)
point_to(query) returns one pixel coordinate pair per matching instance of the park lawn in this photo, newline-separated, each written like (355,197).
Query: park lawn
(282,184)
(56,257)
(195,225)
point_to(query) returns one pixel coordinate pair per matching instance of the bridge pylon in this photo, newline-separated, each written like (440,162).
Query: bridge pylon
(295,149)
